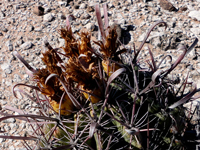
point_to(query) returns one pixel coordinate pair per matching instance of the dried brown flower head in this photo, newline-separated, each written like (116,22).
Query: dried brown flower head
(71,44)
(50,60)
(53,90)
(80,75)
(109,48)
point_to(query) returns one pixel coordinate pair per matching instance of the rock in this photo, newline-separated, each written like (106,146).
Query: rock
(164,42)
(11,147)
(83,6)
(76,6)
(38,29)
(2,140)
(195,30)
(172,41)
(118,29)
(85,16)
(90,9)
(77,14)
(14,127)
(155,34)
(17,78)
(91,26)
(4,29)
(10,120)
(38,10)
(11,20)
(122,23)
(84,22)
(2,14)
(194,14)
(61,42)
(47,10)
(48,17)
(130,1)
(154,37)
(74,30)
(141,37)
(70,2)
(26,45)
(5,66)
(166,5)
(9,45)
(71,18)
(183,8)
(62,3)
(17,7)
(20,41)
(7,128)
(8,36)
(1,34)
(30,28)
(61,16)
(110,5)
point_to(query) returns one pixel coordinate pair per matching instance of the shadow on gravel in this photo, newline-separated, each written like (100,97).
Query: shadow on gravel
(126,36)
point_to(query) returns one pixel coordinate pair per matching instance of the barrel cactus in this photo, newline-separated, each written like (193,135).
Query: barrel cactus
(101,98)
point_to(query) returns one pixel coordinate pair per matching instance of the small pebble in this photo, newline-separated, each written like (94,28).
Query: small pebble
(48,17)
(26,45)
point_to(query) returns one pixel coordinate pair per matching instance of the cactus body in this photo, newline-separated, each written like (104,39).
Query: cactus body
(132,108)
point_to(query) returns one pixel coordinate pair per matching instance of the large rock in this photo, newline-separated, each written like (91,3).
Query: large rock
(165,4)
(194,14)
(164,42)
(38,10)
(153,35)
(196,30)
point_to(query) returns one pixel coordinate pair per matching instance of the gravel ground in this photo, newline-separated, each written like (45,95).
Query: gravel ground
(24,27)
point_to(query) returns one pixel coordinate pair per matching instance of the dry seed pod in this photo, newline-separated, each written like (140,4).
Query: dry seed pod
(65,108)
(109,67)
(94,99)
